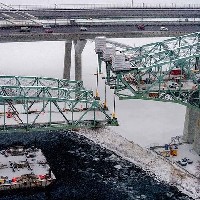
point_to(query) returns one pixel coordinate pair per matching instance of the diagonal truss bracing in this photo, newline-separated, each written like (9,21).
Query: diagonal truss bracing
(168,44)
(166,71)
(33,102)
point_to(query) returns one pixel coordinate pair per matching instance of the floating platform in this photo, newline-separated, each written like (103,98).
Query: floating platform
(24,168)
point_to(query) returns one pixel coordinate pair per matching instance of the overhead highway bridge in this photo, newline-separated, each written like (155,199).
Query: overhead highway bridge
(108,10)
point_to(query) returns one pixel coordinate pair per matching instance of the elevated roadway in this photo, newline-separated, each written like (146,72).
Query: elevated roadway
(115,13)
(111,22)
(82,36)
(64,32)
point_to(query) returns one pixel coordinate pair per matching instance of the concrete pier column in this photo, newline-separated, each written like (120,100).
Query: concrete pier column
(67,59)
(78,46)
(196,144)
(189,125)
(196,113)
(197,63)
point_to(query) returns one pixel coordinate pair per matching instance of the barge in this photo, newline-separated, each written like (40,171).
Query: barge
(22,167)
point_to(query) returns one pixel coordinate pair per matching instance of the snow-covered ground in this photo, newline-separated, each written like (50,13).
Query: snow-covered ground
(156,165)
(185,151)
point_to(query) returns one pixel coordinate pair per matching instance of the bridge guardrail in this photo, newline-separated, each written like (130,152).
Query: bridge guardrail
(154,23)
(128,22)
(104,23)
(89,35)
(102,6)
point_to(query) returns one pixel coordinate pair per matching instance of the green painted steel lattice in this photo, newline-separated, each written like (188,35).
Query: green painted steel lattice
(161,71)
(26,99)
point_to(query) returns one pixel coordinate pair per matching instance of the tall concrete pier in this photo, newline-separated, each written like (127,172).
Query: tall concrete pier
(67,59)
(192,128)
(78,46)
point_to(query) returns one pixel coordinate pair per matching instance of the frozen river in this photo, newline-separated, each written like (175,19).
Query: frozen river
(144,122)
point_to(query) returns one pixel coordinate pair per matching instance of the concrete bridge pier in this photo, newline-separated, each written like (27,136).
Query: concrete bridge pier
(191,132)
(67,59)
(78,46)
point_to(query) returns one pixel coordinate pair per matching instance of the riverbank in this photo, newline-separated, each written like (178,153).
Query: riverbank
(156,165)
(86,169)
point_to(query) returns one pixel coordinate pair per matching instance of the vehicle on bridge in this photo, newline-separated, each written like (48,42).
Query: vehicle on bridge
(46,26)
(25,29)
(82,28)
(140,26)
(162,28)
(48,30)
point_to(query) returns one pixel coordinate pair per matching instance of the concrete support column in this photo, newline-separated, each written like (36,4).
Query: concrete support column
(189,125)
(67,59)
(196,144)
(197,63)
(191,132)
(78,46)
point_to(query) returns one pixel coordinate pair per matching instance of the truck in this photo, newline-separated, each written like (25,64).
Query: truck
(176,72)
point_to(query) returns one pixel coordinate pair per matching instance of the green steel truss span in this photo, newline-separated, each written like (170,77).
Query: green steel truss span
(29,103)
(161,71)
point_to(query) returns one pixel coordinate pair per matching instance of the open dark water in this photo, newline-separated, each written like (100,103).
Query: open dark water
(86,171)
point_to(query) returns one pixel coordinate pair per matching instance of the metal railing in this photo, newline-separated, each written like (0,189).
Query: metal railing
(99,6)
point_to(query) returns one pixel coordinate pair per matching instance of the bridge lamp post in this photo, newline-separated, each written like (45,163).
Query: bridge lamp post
(132,3)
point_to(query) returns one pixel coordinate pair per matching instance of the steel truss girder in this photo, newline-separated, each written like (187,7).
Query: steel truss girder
(158,88)
(152,64)
(147,60)
(157,52)
(28,91)
(39,93)
(168,44)
(39,81)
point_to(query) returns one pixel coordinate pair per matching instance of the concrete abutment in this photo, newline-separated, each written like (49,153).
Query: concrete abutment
(191,132)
